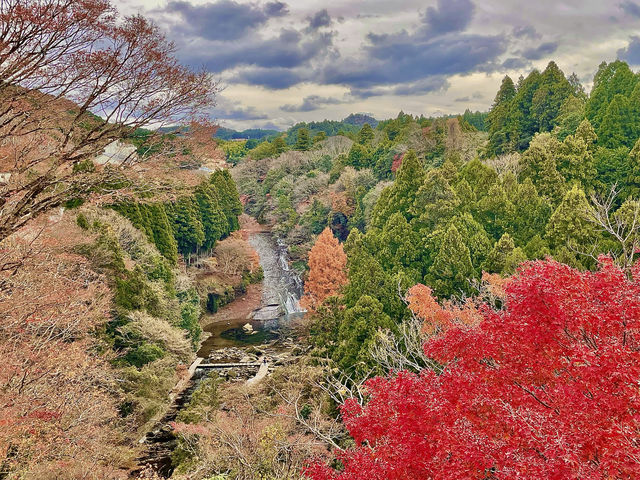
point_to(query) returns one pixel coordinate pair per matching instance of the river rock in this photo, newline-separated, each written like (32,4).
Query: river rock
(247,328)
(270,312)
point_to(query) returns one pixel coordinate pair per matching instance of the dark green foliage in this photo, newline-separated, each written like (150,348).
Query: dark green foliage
(615,78)
(357,332)
(541,102)
(365,136)
(142,354)
(316,217)
(569,226)
(632,183)
(251,133)
(279,145)
(499,138)
(553,91)
(187,225)
(190,314)
(214,221)
(401,195)
(82,221)
(358,157)
(227,195)
(452,269)
(328,127)
(205,396)
(478,120)
(133,292)
(497,259)
(571,113)
(616,129)
(436,201)
(318,137)
(303,142)
(479,177)
(162,232)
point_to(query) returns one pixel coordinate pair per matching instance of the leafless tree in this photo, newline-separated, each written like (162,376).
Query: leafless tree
(73,79)
(623,225)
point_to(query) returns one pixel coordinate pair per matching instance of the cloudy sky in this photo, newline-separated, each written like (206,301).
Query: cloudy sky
(285,61)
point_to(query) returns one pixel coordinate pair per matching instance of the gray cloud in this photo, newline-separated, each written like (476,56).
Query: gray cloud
(421,87)
(311,103)
(631,8)
(462,99)
(631,54)
(224,19)
(288,50)
(407,58)
(418,62)
(226,110)
(514,63)
(274,78)
(540,51)
(449,16)
(276,9)
(525,31)
(319,20)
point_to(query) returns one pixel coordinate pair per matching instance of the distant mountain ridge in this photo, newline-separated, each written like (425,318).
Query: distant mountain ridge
(250,133)
(350,124)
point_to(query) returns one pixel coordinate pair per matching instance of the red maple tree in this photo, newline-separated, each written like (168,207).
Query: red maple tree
(546,387)
(327,270)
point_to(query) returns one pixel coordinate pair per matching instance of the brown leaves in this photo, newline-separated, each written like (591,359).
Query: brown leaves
(53,390)
(439,318)
(119,75)
(327,270)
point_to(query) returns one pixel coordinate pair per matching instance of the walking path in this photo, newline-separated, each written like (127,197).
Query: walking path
(262,372)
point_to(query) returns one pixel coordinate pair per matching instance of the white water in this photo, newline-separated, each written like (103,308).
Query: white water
(282,285)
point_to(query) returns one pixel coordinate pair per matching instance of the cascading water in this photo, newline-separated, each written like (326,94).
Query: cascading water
(282,285)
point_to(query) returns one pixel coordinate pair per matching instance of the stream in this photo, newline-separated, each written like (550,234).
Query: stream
(272,332)
(282,288)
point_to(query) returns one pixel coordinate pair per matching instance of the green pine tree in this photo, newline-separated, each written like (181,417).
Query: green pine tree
(569,225)
(400,196)
(357,333)
(365,136)
(303,142)
(497,259)
(451,270)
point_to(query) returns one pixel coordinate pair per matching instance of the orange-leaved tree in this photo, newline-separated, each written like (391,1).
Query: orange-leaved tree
(327,270)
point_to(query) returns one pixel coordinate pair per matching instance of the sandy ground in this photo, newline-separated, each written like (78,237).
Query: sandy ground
(241,307)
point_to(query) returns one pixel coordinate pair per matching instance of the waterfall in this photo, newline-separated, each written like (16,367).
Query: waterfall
(282,285)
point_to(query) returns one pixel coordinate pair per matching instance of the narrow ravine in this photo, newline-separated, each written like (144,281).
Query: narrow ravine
(229,339)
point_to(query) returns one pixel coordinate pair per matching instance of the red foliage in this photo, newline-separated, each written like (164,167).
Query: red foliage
(397,161)
(545,388)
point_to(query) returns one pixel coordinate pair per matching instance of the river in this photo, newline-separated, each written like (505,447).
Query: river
(272,323)
(279,308)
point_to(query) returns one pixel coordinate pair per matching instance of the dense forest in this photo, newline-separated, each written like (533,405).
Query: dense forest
(452,296)
(444,210)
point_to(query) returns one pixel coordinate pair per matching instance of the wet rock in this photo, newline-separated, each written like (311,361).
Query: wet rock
(247,328)
(270,312)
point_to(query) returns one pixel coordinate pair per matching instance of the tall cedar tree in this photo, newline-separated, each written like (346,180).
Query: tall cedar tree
(303,143)
(545,388)
(327,270)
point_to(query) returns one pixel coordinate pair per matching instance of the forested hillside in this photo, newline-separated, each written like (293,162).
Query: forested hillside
(100,220)
(433,211)
(446,296)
